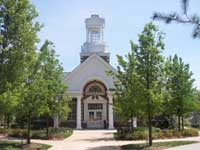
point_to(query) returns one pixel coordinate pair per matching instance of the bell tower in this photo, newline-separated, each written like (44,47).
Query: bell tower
(94,39)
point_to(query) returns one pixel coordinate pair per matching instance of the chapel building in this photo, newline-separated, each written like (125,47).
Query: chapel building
(89,85)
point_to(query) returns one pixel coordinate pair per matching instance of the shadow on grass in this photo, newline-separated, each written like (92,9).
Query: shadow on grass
(97,139)
(134,147)
(104,148)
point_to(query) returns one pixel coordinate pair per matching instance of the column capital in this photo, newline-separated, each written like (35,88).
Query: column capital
(110,93)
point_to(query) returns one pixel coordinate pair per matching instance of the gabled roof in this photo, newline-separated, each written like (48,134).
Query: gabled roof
(94,56)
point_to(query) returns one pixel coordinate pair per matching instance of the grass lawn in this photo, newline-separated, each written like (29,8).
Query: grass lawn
(7,145)
(156,146)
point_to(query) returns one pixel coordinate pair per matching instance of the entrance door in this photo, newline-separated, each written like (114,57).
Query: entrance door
(95,119)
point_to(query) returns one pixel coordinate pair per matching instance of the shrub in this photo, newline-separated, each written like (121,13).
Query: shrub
(41,134)
(177,134)
(168,133)
(158,135)
(142,134)
(17,133)
(38,134)
(3,131)
(190,132)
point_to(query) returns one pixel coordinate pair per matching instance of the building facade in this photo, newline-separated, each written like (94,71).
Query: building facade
(89,85)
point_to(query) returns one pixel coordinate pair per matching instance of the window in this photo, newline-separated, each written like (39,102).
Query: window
(95,36)
(98,115)
(95,106)
(72,114)
(95,89)
(91,116)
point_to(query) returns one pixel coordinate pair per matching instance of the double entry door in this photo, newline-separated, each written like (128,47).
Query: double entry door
(95,119)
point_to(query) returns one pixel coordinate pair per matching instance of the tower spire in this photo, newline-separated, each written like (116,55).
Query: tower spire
(94,39)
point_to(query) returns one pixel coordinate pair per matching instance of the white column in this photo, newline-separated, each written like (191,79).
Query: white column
(78,113)
(56,122)
(134,122)
(110,112)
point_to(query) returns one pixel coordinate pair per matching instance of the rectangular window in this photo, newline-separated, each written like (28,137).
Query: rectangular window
(95,106)
(91,116)
(72,113)
(95,36)
(98,115)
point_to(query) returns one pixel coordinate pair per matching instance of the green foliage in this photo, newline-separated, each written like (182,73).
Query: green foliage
(60,133)
(30,81)
(190,132)
(142,134)
(179,88)
(56,100)
(18,40)
(149,68)
(139,77)
(128,92)
(3,131)
(183,18)
(19,133)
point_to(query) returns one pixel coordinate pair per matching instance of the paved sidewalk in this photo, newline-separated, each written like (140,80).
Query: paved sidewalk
(86,140)
(103,140)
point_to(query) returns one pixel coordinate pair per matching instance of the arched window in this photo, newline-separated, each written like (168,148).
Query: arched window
(95,88)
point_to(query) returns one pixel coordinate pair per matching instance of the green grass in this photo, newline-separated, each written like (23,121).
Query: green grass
(156,146)
(7,145)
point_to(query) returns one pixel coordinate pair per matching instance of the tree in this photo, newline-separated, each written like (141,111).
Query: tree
(56,100)
(17,46)
(128,89)
(149,68)
(179,86)
(183,18)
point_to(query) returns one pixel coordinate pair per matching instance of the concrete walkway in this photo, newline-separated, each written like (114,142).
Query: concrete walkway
(103,140)
(85,140)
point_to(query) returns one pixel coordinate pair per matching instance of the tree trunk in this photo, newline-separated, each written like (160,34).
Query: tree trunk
(132,123)
(179,123)
(28,129)
(8,121)
(47,126)
(150,128)
(4,121)
(182,123)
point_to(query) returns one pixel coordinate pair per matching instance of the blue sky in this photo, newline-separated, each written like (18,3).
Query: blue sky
(64,25)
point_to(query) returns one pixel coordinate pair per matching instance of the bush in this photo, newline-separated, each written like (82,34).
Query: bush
(142,134)
(60,133)
(19,133)
(38,134)
(168,133)
(3,131)
(139,134)
(190,132)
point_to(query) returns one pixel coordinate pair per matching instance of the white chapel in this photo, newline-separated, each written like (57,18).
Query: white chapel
(89,85)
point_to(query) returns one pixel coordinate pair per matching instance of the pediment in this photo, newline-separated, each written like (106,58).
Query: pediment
(94,68)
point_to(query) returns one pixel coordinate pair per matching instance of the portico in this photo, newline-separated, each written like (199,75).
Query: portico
(94,107)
